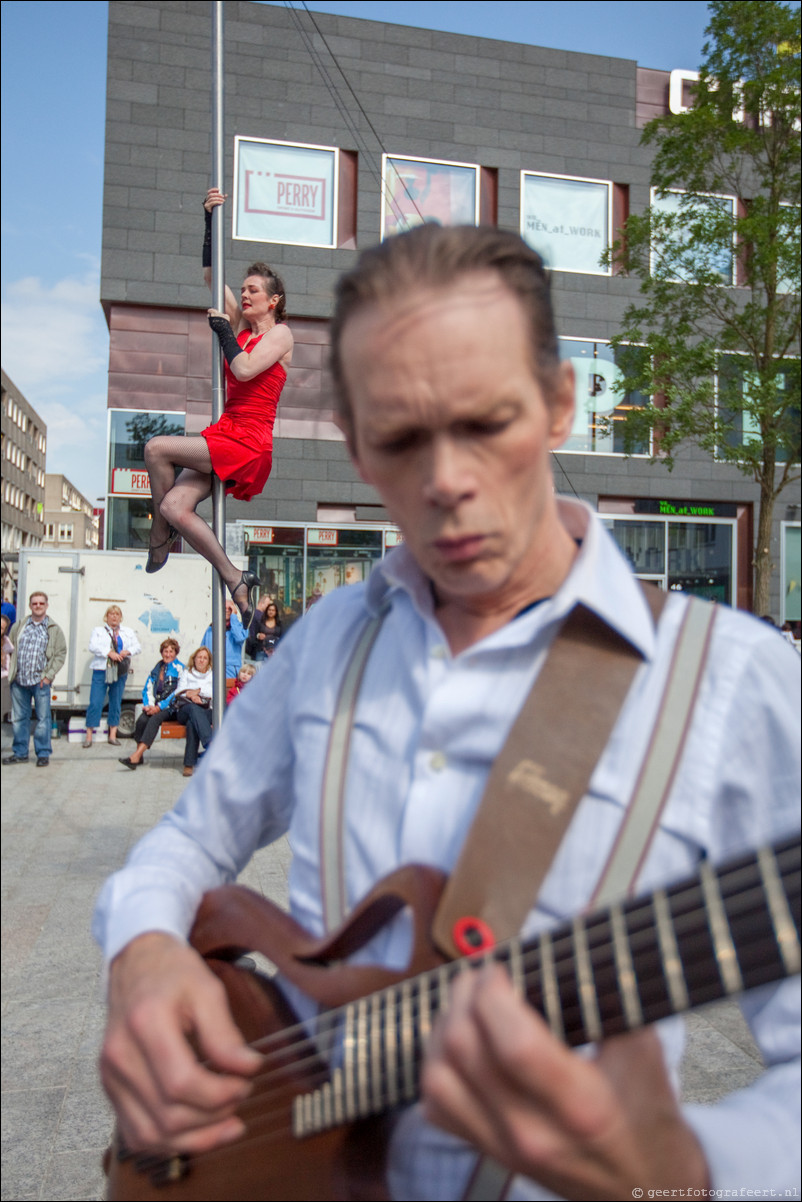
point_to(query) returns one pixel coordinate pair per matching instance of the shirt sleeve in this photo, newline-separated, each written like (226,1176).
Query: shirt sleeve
(751,1137)
(99,642)
(228,811)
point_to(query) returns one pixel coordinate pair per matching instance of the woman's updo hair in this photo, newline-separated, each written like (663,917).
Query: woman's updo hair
(274,285)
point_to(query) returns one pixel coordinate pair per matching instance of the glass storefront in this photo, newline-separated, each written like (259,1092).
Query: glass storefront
(299,563)
(129,509)
(686,556)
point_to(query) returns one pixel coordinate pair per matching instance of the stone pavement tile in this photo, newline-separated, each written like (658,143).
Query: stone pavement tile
(29,1124)
(86,1122)
(727,1018)
(39,1042)
(713,1064)
(75,1176)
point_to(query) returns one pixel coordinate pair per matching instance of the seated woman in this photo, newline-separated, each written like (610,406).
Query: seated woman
(239,447)
(191,705)
(112,646)
(156,697)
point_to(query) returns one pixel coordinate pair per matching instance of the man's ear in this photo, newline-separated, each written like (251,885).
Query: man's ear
(562,403)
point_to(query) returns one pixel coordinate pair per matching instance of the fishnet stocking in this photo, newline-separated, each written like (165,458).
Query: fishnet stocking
(175,502)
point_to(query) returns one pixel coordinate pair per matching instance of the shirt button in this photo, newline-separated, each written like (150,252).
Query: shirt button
(439,652)
(438,761)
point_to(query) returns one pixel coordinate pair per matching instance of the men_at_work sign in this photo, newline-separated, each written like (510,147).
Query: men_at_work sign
(285,192)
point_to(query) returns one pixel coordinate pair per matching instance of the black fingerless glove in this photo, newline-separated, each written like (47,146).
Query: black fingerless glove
(206,253)
(225,336)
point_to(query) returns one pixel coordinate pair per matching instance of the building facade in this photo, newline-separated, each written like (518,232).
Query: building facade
(22,453)
(427,125)
(69,518)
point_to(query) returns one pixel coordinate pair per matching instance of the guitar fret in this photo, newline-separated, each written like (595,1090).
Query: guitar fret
(783,923)
(424,1010)
(362,1057)
(328,1109)
(317,1110)
(391,1047)
(338,1098)
(669,952)
(444,985)
(551,996)
(407,1050)
(591,1018)
(298,1117)
(726,956)
(516,966)
(625,970)
(376,1052)
(349,1068)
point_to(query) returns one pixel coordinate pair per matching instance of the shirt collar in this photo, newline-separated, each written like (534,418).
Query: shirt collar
(600,578)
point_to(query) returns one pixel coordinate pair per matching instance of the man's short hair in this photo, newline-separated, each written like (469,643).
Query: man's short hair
(433,256)
(38,593)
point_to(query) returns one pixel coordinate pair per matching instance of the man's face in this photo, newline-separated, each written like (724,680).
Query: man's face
(38,607)
(229,611)
(451,426)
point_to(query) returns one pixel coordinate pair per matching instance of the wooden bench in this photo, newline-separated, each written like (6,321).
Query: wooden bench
(177,730)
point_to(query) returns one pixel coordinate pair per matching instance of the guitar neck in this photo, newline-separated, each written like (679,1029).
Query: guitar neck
(713,935)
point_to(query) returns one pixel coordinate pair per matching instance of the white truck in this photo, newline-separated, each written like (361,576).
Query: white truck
(82,584)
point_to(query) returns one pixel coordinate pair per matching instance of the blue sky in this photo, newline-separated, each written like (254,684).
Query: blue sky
(55,342)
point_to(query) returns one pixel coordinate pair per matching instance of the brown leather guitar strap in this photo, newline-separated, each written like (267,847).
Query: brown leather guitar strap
(537,781)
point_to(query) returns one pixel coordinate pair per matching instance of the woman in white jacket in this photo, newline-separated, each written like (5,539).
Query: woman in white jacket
(112,646)
(191,704)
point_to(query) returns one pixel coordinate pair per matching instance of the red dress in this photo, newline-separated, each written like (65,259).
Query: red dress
(241,442)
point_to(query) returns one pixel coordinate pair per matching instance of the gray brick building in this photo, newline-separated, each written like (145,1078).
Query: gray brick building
(427,124)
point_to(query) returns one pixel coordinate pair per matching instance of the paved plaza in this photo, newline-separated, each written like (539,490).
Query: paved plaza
(65,828)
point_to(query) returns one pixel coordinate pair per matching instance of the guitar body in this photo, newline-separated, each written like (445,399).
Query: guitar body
(344,1163)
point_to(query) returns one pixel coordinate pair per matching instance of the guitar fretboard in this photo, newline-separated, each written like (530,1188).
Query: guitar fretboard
(716,934)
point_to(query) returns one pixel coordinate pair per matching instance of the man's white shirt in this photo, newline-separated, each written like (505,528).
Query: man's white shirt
(427,728)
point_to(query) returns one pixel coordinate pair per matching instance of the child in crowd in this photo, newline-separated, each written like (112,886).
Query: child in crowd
(246,673)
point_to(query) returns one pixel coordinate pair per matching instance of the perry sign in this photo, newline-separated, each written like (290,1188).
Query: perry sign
(285,192)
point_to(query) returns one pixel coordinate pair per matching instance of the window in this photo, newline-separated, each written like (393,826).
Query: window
(600,411)
(50,532)
(65,533)
(285,192)
(415,191)
(791,572)
(693,236)
(567,220)
(734,402)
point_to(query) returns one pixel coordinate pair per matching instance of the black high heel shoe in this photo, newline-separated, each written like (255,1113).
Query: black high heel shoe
(251,582)
(151,566)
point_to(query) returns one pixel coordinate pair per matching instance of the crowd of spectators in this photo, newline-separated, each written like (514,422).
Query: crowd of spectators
(34,650)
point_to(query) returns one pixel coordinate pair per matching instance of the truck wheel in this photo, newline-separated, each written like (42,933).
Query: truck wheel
(127,722)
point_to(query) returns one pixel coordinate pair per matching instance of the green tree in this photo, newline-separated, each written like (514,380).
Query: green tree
(719,293)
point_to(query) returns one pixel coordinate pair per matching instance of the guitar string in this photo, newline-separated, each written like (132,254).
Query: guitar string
(641,938)
(263,1103)
(258,1129)
(318,1034)
(319,1046)
(327,1025)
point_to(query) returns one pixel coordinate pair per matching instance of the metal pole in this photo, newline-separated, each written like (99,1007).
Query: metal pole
(218,378)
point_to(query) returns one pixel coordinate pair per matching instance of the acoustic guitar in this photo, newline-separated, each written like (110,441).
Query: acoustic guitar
(321,1108)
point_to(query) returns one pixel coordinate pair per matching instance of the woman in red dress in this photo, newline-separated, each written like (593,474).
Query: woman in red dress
(239,447)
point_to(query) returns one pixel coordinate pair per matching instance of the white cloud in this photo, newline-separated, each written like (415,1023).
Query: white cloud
(55,349)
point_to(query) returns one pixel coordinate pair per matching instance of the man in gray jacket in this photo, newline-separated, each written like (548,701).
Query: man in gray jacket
(39,653)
